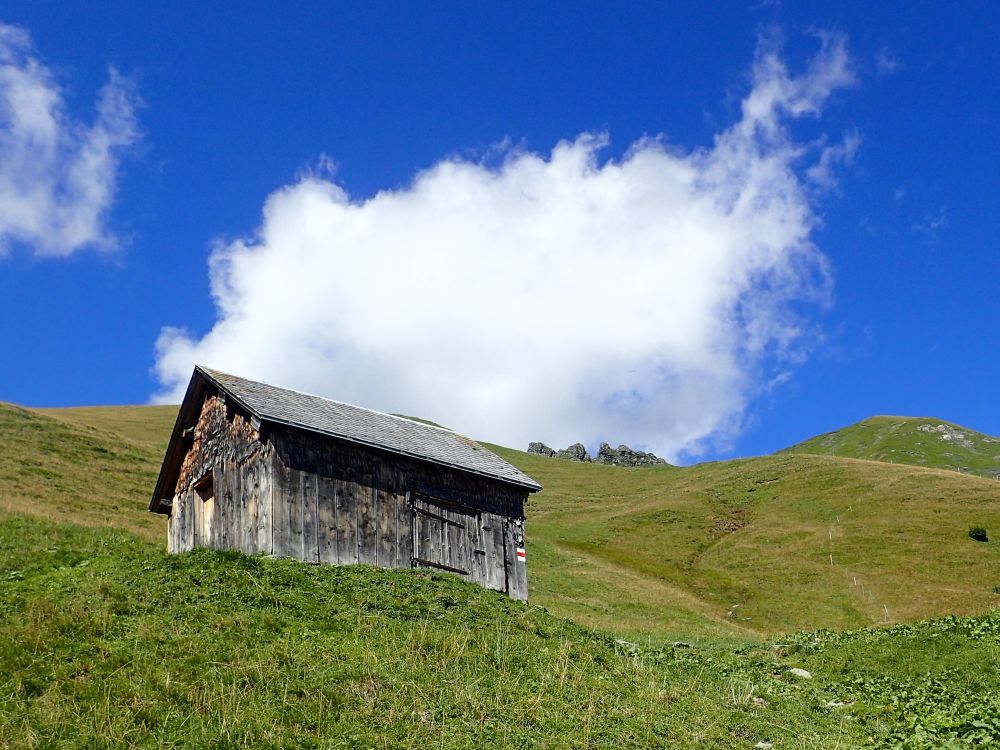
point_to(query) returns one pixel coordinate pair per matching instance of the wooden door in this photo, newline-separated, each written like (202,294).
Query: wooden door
(452,537)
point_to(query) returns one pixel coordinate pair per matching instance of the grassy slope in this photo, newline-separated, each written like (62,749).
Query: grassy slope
(66,469)
(108,642)
(655,553)
(918,441)
(668,550)
(104,639)
(146,425)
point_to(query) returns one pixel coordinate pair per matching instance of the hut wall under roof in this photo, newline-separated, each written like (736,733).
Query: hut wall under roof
(281,490)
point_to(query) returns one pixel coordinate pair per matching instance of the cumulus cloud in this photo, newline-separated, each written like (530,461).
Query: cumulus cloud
(557,297)
(57,175)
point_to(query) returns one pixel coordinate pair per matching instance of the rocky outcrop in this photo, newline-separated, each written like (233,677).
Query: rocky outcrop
(949,434)
(541,449)
(625,456)
(575,452)
(620,456)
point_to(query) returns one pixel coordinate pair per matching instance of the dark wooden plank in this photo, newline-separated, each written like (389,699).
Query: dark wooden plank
(386,515)
(242,525)
(439,566)
(224,499)
(367,525)
(453,531)
(326,520)
(435,550)
(477,552)
(423,544)
(404,532)
(347,523)
(508,559)
(494,535)
(293,529)
(280,511)
(233,516)
(440,514)
(310,539)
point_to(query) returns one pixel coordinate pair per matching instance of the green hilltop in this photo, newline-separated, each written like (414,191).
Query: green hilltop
(917,441)
(106,641)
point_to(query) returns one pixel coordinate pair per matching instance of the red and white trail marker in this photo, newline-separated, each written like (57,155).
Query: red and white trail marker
(521,554)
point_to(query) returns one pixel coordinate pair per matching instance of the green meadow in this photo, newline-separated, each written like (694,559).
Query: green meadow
(667,607)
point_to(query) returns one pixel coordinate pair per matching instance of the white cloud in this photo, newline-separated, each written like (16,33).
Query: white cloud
(822,173)
(57,175)
(556,297)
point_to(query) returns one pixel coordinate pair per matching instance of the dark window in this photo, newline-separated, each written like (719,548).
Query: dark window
(205,487)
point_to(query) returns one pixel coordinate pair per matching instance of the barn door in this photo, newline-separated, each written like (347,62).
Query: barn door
(459,539)
(443,535)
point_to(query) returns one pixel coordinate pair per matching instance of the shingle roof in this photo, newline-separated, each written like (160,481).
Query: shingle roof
(358,425)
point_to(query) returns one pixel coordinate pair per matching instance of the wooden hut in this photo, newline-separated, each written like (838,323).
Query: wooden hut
(268,470)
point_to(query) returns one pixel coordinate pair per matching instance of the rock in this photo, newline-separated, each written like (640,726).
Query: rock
(625,456)
(575,452)
(681,644)
(759,702)
(541,449)
(949,434)
(764,745)
(799,672)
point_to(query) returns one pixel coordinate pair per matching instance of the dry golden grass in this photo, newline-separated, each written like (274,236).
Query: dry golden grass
(768,545)
(59,468)
(148,425)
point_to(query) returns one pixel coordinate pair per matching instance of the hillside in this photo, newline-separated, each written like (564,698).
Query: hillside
(738,548)
(103,636)
(108,642)
(90,467)
(761,545)
(918,441)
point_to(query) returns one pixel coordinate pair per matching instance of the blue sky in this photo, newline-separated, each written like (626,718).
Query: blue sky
(430,248)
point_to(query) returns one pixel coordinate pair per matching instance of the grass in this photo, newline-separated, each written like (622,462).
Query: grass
(747,548)
(758,546)
(57,466)
(145,425)
(917,441)
(106,641)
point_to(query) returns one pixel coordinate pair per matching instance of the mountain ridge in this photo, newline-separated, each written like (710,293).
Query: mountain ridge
(917,441)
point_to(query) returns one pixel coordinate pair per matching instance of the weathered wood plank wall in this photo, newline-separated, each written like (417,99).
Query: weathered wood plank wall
(233,511)
(370,512)
(319,499)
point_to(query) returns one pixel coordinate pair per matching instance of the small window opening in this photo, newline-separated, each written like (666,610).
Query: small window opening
(205,487)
